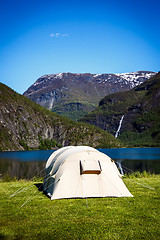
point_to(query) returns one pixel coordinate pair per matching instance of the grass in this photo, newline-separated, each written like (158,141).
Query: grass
(93,218)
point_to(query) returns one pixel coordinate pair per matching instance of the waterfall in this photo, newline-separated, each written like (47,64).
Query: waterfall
(51,104)
(51,100)
(120,167)
(119,127)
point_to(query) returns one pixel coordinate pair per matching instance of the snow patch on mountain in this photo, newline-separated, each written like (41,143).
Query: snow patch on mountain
(58,75)
(132,79)
(134,75)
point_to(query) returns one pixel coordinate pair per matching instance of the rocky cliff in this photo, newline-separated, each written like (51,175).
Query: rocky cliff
(133,116)
(27,125)
(74,95)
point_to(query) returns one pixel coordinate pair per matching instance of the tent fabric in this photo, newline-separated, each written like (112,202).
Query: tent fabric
(82,172)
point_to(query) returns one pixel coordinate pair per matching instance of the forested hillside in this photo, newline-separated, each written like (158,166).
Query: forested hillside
(27,125)
(137,109)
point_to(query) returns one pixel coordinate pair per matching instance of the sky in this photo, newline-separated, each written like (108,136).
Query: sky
(39,37)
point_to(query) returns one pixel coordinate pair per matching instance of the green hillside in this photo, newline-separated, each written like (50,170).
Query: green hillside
(141,109)
(27,125)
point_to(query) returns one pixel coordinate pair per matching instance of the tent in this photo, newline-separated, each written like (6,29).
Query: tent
(82,172)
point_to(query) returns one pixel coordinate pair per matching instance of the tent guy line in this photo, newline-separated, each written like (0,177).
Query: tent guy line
(143,183)
(19,190)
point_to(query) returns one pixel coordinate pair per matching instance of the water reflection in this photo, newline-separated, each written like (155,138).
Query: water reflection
(21,169)
(23,164)
(129,165)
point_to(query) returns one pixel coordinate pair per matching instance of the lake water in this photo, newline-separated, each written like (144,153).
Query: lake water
(26,164)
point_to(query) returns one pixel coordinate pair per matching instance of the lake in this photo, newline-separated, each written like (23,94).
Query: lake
(27,164)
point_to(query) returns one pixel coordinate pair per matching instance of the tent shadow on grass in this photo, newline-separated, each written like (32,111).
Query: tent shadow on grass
(39,186)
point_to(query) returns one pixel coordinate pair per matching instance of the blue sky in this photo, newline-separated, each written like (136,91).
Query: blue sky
(47,36)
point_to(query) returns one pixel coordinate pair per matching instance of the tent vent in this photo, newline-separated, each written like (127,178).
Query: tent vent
(90,167)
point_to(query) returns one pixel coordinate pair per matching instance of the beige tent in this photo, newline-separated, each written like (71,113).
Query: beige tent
(82,172)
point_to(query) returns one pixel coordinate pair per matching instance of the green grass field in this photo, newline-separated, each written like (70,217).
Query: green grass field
(93,218)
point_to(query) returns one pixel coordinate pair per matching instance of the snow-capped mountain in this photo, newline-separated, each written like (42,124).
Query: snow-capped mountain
(75,94)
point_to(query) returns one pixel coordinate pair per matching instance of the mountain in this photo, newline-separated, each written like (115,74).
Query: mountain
(134,113)
(74,95)
(27,125)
